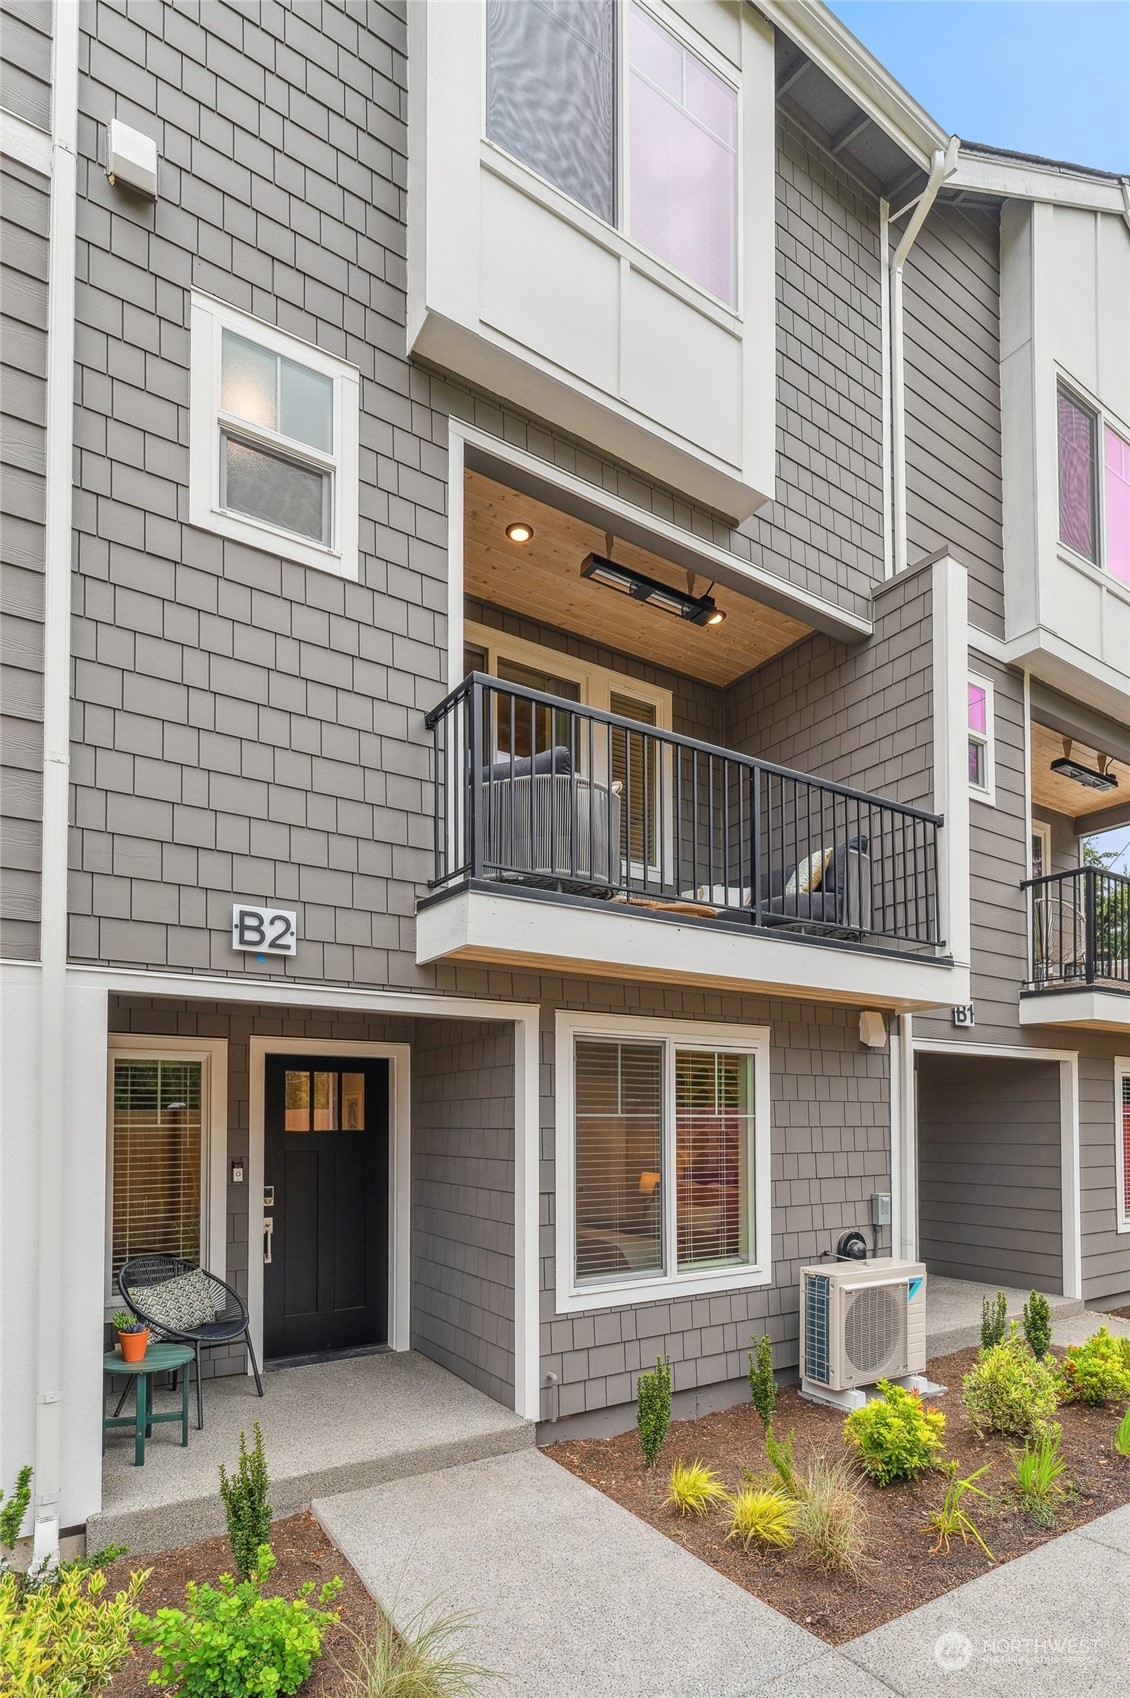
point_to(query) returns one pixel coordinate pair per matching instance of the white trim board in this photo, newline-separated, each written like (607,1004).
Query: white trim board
(399,1057)
(1070,1192)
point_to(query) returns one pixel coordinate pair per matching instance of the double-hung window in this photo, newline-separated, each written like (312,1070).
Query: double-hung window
(273,440)
(1094,485)
(663,1145)
(979,734)
(620,113)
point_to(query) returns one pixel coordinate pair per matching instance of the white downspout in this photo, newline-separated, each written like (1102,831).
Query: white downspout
(59,451)
(942,165)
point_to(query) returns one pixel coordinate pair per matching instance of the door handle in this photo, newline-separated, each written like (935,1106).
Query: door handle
(268,1236)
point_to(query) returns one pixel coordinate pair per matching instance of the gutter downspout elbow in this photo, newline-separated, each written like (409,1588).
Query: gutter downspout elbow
(942,165)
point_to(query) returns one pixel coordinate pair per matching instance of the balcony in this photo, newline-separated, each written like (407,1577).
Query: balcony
(580,840)
(1079,953)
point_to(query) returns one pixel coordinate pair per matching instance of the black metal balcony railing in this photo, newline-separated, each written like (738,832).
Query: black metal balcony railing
(533,790)
(1080,929)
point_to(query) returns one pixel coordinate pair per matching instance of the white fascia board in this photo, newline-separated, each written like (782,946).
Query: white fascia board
(819,33)
(1053,660)
(1026,180)
(1096,1010)
(616,941)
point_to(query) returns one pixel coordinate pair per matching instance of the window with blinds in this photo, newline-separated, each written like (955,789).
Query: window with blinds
(635,767)
(649,1117)
(1122,1133)
(157,1137)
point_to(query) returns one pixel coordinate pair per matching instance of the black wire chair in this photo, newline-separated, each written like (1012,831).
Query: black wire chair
(232,1320)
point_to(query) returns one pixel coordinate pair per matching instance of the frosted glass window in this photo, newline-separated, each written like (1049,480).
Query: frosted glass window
(250,382)
(1077,496)
(682,158)
(306,405)
(1117,457)
(269,486)
(550,93)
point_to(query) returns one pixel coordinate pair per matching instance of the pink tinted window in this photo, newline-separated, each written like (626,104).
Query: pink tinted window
(978,720)
(1117,506)
(682,159)
(1077,476)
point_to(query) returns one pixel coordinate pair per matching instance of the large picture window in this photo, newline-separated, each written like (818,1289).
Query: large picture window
(664,1153)
(1094,486)
(1122,1141)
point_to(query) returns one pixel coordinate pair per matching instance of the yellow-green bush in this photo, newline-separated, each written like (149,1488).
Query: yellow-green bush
(63,1638)
(1097,1372)
(1009,1390)
(761,1516)
(695,1488)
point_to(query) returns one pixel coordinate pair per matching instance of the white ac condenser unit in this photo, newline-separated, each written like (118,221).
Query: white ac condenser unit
(861,1322)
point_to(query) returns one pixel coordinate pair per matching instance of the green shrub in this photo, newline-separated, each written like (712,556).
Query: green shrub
(245,1505)
(425,1658)
(653,1408)
(1122,1435)
(1038,1325)
(993,1314)
(13,1512)
(780,1454)
(895,1436)
(1009,1391)
(830,1522)
(695,1488)
(762,1385)
(234,1641)
(65,1639)
(953,1520)
(1096,1372)
(1039,1474)
(760,1515)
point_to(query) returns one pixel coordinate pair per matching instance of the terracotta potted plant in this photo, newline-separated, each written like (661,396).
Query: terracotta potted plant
(133,1335)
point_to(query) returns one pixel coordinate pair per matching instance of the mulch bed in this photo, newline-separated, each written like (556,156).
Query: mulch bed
(903,1573)
(303,1553)
(1123,1314)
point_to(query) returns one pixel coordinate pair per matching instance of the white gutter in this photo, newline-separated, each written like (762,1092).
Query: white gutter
(59,449)
(942,165)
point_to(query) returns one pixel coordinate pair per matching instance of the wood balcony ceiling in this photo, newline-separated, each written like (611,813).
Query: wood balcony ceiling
(1066,795)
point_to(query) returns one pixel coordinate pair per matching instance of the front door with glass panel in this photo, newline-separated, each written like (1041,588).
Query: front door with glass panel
(325,1278)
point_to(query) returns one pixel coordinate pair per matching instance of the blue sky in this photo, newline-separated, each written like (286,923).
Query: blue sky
(1041,76)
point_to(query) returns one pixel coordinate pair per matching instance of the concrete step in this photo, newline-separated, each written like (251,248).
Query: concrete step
(953,1311)
(327,1428)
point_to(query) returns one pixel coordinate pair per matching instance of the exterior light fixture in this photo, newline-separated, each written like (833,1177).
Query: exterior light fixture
(696,609)
(520,531)
(1102,779)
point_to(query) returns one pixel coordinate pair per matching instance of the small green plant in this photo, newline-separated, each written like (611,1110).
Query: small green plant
(233,1640)
(762,1385)
(1009,1391)
(1122,1435)
(1038,1325)
(653,1408)
(994,1311)
(13,1512)
(895,1436)
(126,1321)
(245,1505)
(1039,1474)
(780,1454)
(1097,1372)
(760,1515)
(830,1522)
(953,1520)
(426,1657)
(695,1488)
(66,1639)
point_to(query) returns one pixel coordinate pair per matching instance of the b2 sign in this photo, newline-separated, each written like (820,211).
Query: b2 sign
(264,931)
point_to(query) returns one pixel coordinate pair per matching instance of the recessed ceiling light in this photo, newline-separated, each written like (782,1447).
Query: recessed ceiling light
(519,531)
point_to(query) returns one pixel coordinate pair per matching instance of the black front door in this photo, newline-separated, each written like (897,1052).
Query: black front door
(325,1282)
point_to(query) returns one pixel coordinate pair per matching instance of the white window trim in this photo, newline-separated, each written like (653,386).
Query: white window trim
(598,683)
(212,1053)
(1103,418)
(573,1298)
(723,68)
(1121,1212)
(1042,830)
(209,318)
(987,792)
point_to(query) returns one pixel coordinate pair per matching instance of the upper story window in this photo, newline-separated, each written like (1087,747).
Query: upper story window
(651,148)
(273,434)
(982,778)
(1094,486)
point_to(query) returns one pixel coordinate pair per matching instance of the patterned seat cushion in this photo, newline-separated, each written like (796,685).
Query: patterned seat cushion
(179,1304)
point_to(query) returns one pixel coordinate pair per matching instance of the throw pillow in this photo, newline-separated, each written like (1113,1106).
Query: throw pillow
(180,1304)
(809,872)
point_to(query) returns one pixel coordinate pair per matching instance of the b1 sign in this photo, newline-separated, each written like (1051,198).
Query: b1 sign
(264,931)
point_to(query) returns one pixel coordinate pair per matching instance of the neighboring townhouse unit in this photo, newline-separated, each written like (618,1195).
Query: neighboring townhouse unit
(545,572)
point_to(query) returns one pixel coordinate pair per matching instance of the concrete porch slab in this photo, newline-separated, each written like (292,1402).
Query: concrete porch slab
(574,1597)
(953,1311)
(330,1427)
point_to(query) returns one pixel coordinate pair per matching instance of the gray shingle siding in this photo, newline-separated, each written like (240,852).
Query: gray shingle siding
(25,60)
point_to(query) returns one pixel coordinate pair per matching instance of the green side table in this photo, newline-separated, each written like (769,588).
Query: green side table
(158,1359)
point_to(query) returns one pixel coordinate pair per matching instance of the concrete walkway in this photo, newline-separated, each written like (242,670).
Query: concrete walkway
(576,1598)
